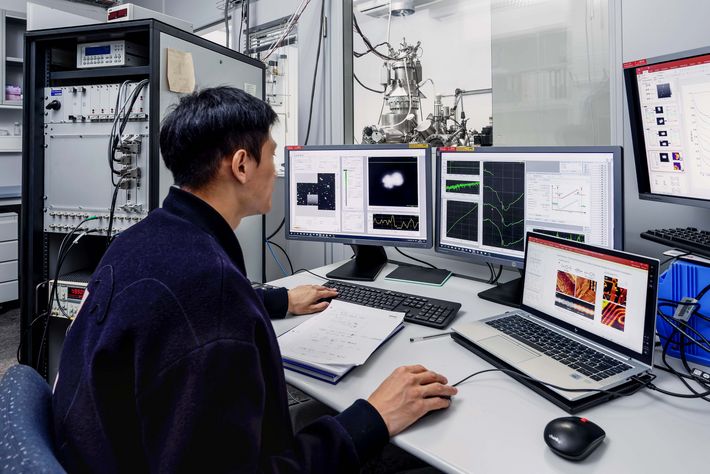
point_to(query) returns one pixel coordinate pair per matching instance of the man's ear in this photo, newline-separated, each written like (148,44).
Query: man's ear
(240,166)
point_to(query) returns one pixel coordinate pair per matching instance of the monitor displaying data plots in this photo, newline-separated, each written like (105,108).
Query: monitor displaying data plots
(488,199)
(360,194)
(669,114)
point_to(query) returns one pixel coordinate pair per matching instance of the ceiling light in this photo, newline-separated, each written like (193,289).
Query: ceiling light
(402,7)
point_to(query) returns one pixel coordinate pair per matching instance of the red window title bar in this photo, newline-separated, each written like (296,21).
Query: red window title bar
(590,253)
(687,62)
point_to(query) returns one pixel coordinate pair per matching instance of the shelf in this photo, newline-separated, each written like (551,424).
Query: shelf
(101,72)
(10,192)
(11,106)
(11,59)
(10,143)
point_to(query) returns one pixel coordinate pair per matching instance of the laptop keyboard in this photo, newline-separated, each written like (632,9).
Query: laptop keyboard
(579,357)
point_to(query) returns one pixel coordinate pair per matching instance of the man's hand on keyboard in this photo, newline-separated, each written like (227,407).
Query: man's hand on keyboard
(408,394)
(304,299)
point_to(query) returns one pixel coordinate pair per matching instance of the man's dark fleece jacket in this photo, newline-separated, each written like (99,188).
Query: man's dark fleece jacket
(172,364)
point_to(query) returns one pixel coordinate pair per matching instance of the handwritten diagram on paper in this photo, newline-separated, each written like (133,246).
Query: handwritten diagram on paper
(343,334)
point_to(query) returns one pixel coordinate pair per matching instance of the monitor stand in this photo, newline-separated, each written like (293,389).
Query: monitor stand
(509,294)
(368,261)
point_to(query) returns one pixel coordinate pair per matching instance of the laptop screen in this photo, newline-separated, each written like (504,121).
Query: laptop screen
(606,295)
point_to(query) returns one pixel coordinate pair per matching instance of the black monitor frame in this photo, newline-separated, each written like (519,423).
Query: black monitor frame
(370,257)
(510,293)
(637,135)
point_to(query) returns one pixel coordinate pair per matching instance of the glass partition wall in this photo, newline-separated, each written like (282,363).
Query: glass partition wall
(440,71)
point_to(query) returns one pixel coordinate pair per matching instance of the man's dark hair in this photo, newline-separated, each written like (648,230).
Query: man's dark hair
(210,125)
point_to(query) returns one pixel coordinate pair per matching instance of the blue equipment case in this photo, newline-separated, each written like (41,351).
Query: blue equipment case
(684,278)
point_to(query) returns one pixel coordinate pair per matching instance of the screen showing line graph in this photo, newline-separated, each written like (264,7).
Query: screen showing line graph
(462,220)
(504,205)
(559,192)
(360,193)
(395,222)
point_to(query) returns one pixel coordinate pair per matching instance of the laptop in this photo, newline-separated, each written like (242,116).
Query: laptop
(587,319)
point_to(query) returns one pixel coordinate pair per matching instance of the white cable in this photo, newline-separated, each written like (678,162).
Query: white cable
(389,23)
(287,29)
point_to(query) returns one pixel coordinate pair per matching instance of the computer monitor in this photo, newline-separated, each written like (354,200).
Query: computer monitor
(363,195)
(488,199)
(669,114)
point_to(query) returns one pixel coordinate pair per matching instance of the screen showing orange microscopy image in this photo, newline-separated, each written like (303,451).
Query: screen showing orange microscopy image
(576,294)
(614,304)
(613,292)
(613,315)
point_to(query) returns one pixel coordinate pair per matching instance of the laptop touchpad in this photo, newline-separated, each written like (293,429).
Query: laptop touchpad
(506,349)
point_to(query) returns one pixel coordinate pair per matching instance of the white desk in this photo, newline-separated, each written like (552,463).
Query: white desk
(495,424)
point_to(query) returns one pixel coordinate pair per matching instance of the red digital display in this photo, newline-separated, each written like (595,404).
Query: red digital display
(75,293)
(122,13)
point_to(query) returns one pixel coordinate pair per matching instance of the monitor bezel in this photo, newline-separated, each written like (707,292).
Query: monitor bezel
(515,262)
(389,242)
(649,329)
(636,124)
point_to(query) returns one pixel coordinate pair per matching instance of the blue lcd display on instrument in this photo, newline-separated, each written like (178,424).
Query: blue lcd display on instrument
(97,50)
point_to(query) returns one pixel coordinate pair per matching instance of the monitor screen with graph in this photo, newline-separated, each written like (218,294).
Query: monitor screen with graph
(360,194)
(364,195)
(669,114)
(488,199)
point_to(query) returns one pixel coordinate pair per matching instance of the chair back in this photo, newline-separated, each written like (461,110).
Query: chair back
(26,432)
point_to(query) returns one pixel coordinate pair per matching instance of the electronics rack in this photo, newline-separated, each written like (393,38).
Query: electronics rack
(59,155)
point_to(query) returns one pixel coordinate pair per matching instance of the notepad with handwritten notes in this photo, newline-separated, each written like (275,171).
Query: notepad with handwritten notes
(330,344)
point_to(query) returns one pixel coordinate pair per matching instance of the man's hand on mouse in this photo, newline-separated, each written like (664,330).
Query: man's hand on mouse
(408,394)
(304,299)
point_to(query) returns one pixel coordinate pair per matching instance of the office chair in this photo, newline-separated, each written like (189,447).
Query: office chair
(26,437)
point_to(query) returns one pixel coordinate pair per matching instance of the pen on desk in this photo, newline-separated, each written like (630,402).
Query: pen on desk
(432,336)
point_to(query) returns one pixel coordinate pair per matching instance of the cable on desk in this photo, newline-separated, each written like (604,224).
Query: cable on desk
(564,389)
(416,259)
(301,270)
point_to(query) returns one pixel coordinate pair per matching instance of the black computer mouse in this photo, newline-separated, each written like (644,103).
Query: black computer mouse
(572,437)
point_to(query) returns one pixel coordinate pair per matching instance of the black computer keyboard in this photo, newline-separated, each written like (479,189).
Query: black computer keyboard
(690,239)
(419,310)
(579,357)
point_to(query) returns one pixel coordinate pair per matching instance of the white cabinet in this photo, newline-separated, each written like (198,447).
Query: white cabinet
(8,257)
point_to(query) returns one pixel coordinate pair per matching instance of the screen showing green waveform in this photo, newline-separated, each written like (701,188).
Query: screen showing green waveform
(463,187)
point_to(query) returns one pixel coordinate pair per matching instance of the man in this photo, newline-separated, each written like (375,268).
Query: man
(172,363)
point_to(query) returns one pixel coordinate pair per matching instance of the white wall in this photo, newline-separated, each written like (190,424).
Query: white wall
(14,5)
(653,28)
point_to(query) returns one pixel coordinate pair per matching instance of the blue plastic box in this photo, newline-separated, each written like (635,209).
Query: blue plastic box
(683,279)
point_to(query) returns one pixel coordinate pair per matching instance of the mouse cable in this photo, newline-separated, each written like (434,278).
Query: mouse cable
(564,389)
